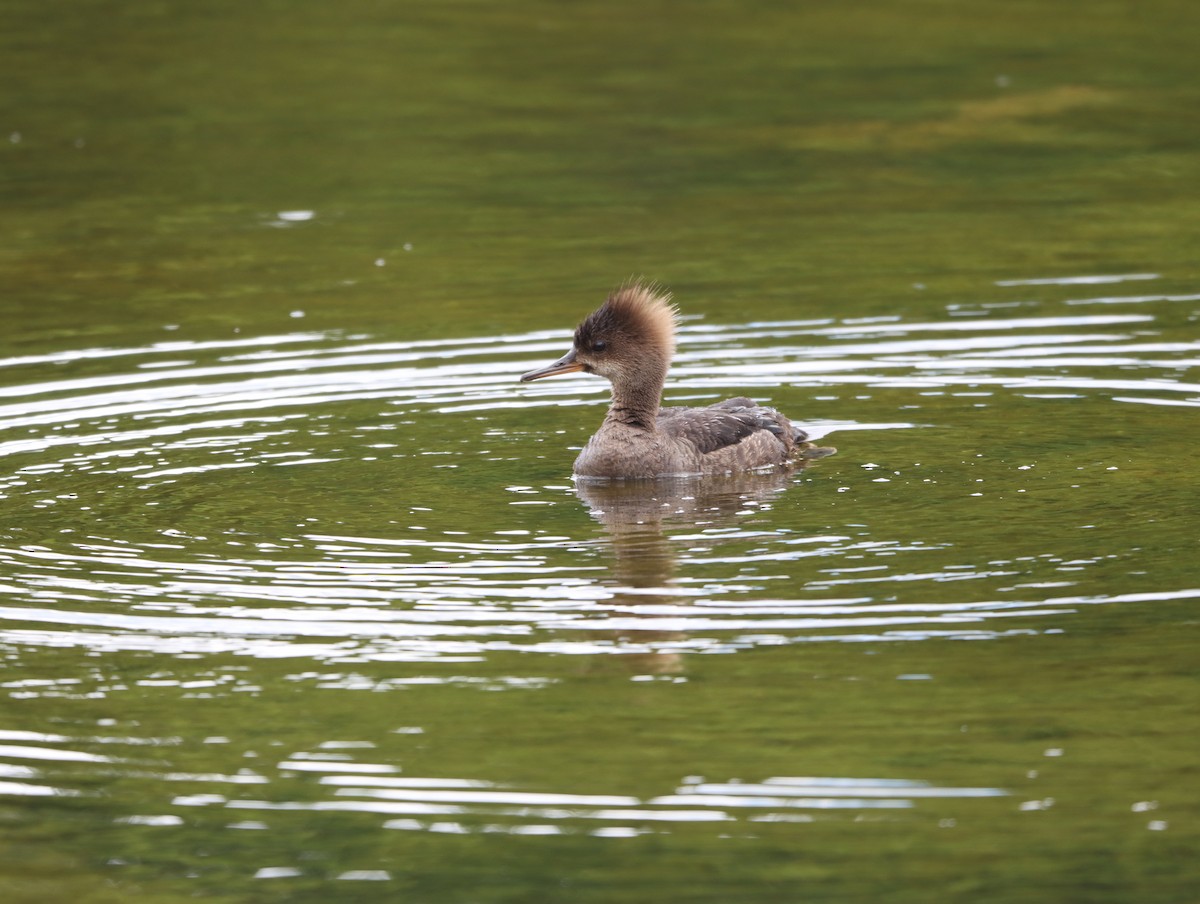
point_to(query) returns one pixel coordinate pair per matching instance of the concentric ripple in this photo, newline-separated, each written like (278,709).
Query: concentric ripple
(335,778)
(134,480)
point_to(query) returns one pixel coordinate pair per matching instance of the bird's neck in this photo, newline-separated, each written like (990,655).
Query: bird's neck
(635,402)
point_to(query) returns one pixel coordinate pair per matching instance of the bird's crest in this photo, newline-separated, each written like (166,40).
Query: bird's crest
(637,308)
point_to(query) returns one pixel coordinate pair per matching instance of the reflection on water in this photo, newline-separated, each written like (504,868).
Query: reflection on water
(200,505)
(681,567)
(295,587)
(645,559)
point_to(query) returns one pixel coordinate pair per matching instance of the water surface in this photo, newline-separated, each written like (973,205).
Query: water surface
(298,598)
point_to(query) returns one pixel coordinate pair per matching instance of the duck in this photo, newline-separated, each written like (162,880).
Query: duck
(630,340)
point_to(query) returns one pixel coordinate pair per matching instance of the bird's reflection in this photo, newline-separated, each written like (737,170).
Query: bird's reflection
(640,516)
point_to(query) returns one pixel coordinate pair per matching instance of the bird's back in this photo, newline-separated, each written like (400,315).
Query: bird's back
(733,435)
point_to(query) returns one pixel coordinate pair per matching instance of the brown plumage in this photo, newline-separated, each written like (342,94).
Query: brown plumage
(629,340)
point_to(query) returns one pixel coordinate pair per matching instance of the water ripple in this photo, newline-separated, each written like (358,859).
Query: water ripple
(331,779)
(681,570)
(481,806)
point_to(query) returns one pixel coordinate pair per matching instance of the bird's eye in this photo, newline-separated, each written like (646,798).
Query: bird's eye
(599,345)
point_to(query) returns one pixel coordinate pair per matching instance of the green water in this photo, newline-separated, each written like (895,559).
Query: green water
(298,601)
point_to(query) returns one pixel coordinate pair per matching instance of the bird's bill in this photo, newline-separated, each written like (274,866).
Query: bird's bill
(564,365)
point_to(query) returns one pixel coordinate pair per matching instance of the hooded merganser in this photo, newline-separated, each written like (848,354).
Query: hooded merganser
(629,340)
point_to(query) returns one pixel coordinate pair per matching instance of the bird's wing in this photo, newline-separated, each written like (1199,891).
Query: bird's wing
(718,426)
